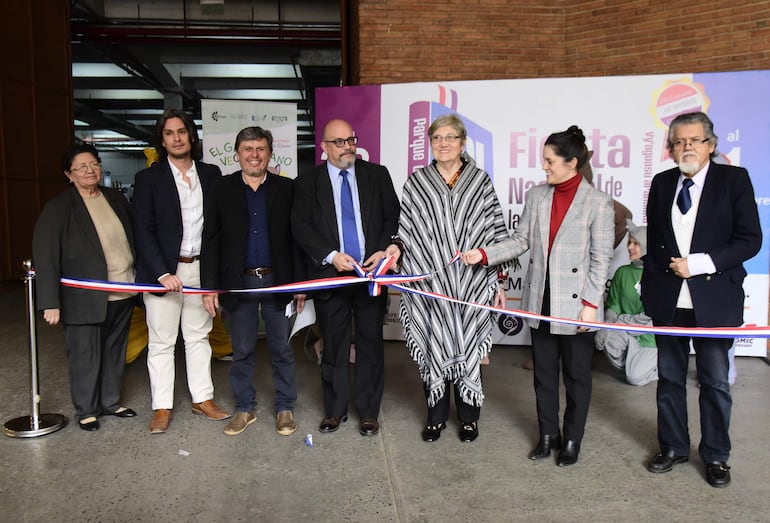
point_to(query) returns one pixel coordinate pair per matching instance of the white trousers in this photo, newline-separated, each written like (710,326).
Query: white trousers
(165,314)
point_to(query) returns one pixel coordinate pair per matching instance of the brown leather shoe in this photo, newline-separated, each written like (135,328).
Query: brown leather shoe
(284,423)
(369,427)
(240,421)
(209,409)
(160,421)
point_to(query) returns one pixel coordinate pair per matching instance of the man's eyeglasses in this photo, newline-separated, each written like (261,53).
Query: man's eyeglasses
(83,167)
(692,142)
(340,142)
(450,138)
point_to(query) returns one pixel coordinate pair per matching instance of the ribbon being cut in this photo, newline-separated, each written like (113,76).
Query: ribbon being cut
(379,277)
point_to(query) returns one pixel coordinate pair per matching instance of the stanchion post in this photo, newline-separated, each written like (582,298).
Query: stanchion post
(36,424)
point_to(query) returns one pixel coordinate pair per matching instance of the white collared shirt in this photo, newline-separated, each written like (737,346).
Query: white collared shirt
(684,226)
(191,207)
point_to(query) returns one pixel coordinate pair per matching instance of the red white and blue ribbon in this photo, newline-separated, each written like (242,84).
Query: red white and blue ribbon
(375,278)
(747,331)
(379,277)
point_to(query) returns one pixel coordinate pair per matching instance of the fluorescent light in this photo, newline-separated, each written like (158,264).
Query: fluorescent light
(252,94)
(235,70)
(91,70)
(117,94)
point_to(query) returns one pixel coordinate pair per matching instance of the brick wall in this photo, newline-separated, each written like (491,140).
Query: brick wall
(408,41)
(649,37)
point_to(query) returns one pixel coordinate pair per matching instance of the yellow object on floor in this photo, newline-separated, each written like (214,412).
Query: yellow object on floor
(137,337)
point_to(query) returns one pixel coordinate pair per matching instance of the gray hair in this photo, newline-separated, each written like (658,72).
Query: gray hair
(689,119)
(449,120)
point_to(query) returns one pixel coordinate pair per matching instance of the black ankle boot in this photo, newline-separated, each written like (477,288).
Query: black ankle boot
(569,453)
(544,446)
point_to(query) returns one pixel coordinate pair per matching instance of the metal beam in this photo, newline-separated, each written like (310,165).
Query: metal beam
(100,120)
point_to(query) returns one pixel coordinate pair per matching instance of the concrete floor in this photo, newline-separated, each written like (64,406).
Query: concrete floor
(123,473)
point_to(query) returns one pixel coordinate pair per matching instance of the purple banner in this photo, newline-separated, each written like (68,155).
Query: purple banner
(360,107)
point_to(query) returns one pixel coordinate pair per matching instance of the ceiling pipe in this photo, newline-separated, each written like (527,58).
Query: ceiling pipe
(141,34)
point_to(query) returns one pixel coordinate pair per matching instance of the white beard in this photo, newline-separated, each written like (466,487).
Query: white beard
(689,167)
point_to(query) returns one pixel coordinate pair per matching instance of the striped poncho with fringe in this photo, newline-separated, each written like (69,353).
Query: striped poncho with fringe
(448,340)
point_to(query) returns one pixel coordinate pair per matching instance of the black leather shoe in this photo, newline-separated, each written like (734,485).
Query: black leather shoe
(664,461)
(468,431)
(718,474)
(369,427)
(332,423)
(90,426)
(124,413)
(544,446)
(432,432)
(568,455)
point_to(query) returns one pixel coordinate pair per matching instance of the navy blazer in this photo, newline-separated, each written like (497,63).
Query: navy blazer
(314,220)
(226,229)
(158,217)
(727,228)
(65,244)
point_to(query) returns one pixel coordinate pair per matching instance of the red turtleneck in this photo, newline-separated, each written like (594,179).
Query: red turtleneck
(563,194)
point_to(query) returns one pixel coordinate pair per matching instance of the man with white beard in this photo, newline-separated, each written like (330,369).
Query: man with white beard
(702,224)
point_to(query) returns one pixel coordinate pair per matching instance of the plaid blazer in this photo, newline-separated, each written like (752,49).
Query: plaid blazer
(580,257)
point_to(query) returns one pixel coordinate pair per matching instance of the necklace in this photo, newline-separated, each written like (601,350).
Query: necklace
(451,183)
(453,180)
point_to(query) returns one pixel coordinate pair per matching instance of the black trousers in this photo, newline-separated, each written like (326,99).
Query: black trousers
(439,413)
(96,357)
(336,314)
(575,354)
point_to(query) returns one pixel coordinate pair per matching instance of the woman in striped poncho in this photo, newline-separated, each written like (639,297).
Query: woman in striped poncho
(446,207)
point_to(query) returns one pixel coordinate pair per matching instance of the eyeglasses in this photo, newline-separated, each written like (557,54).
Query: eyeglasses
(450,138)
(692,142)
(340,142)
(83,167)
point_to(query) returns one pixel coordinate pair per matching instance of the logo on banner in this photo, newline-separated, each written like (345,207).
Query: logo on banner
(422,113)
(677,97)
(509,325)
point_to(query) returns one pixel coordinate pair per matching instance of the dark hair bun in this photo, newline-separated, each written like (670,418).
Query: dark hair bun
(574,129)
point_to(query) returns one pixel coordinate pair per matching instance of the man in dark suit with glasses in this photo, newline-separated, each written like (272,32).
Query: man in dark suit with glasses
(345,212)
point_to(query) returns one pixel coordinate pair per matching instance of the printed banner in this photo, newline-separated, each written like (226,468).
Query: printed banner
(625,120)
(223,119)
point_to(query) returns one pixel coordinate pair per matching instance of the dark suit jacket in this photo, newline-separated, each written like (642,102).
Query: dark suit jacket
(158,217)
(314,221)
(726,228)
(226,228)
(65,244)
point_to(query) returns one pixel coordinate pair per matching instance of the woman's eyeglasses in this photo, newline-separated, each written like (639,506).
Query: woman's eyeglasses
(450,138)
(84,167)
